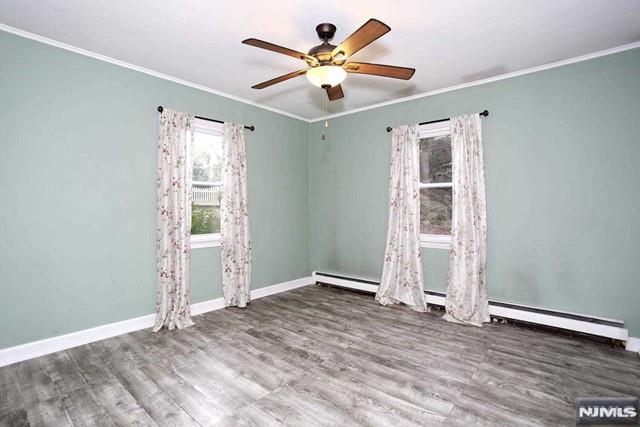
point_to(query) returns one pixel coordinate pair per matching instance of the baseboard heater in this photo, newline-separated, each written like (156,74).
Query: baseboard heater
(609,328)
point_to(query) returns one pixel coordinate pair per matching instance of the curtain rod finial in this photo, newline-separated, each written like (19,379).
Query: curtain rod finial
(389,129)
(484,113)
(160,109)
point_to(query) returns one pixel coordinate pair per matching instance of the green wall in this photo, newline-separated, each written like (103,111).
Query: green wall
(77,191)
(562,154)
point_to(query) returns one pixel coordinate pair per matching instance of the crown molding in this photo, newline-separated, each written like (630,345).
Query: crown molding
(536,69)
(94,55)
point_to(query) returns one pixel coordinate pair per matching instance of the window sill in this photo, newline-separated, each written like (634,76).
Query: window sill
(435,241)
(200,241)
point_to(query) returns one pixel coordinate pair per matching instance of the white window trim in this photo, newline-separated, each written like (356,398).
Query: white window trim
(210,240)
(435,241)
(211,183)
(206,126)
(200,241)
(434,129)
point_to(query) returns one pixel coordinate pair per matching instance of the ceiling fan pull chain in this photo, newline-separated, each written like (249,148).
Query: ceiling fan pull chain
(326,122)
(326,110)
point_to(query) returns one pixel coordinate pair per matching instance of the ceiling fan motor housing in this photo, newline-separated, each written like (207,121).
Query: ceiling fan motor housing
(322,52)
(326,31)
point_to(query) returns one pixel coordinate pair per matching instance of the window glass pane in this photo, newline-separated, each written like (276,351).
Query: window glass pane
(206,187)
(207,157)
(205,219)
(435,159)
(435,211)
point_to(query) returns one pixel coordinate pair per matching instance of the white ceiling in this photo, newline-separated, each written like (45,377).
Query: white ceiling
(448,42)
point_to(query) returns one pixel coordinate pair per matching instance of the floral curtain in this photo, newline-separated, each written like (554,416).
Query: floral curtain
(402,270)
(173,223)
(466,300)
(234,219)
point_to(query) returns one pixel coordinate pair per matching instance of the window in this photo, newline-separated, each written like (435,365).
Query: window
(435,185)
(206,184)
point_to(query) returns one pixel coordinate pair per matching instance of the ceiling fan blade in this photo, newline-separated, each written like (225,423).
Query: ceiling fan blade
(279,49)
(335,92)
(369,32)
(403,73)
(279,79)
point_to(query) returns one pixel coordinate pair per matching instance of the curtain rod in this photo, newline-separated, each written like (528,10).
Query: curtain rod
(484,113)
(251,128)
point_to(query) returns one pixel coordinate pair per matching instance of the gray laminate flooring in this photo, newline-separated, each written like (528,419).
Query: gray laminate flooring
(318,356)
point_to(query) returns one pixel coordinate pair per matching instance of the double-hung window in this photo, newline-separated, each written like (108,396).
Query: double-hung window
(206,186)
(435,185)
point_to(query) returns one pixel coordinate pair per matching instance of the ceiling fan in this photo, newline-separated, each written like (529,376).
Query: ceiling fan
(329,64)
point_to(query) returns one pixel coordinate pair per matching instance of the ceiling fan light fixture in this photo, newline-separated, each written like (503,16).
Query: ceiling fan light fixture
(328,65)
(326,75)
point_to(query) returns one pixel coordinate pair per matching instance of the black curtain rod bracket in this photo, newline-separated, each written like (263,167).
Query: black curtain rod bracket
(251,128)
(484,113)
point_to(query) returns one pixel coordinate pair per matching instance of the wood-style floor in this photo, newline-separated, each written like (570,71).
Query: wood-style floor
(318,356)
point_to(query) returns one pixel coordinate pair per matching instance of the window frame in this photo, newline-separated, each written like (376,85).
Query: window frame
(435,241)
(209,240)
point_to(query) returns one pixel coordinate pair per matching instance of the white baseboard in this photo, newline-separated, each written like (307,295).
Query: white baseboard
(282,287)
(62,342)
(633,344)
(206,306)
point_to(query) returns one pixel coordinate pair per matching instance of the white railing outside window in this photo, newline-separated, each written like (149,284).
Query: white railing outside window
(205,193)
